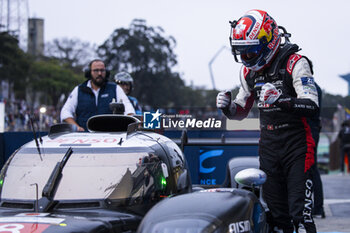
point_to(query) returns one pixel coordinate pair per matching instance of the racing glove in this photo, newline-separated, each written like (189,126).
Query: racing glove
(301,107)
(223,100)
(269,94)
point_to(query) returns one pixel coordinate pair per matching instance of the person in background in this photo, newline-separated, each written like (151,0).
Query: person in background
(126,82)
(93,96)
(281,83)
(315,124)
(344,136)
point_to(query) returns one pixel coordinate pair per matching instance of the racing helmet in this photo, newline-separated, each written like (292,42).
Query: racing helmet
(256,38)
(124,78)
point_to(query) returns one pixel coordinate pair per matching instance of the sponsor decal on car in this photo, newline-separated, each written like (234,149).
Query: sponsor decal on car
(81,140)
(23,227)
(240,227)
(29,223)
(218,190)
(32,219)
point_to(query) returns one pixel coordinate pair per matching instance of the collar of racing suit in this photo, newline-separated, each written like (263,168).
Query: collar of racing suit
(284,52)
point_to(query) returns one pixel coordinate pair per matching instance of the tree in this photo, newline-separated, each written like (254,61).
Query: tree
(14,64)
(52,80)
(148,55)
(72,52)
(139,48)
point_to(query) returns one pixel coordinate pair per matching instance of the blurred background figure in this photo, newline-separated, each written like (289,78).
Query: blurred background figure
(344,136)
(316,126)
(126,82)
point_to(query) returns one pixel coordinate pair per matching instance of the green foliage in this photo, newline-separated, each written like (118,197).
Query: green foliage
(14,63)
(160,89)
(53,80)
(72,52)
(139,48)
(148,55)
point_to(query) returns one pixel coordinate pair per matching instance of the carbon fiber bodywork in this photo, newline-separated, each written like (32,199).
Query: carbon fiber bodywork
(212,210)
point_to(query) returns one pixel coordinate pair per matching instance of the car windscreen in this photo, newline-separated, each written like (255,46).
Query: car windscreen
(99,173)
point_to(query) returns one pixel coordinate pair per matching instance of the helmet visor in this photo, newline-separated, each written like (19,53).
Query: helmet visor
(124,83)
(241,47)
(248,49)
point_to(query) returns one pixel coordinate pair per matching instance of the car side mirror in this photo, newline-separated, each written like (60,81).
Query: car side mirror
(251,177)
(182,184)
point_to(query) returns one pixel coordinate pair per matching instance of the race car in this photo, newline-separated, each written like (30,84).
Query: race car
(104,180)
(215,210)
(111,178)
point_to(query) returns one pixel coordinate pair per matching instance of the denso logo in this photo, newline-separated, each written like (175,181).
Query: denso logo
(239,227)
(254,31)
(308,201)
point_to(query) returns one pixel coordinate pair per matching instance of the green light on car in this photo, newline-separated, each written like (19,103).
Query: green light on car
(163,182)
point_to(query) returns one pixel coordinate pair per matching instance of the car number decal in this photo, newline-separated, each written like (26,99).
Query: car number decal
(23,227)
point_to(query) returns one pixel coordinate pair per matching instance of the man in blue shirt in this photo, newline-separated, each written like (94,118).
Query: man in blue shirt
(93,96)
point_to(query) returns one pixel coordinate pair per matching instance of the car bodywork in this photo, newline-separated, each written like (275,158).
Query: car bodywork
(110,180)
(99,181)
(211,210)
(215,210)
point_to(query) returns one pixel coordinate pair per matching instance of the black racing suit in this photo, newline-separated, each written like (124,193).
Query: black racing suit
(286,146)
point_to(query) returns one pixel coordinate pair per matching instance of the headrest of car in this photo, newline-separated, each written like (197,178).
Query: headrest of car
(110,123)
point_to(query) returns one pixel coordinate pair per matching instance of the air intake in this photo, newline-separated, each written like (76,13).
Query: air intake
(110,123)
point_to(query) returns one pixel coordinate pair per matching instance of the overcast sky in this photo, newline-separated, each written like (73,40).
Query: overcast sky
(201,28)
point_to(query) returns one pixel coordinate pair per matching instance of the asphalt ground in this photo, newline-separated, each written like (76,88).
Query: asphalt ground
(336,188)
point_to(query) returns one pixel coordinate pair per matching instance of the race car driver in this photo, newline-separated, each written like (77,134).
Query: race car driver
(281,83)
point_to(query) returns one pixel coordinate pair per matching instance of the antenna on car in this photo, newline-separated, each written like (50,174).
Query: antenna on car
(117,107)
(184,140)
(36,138)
